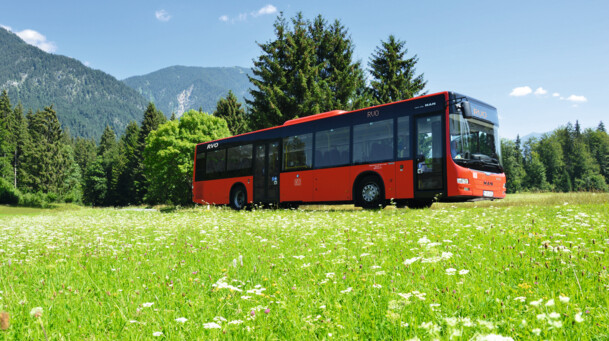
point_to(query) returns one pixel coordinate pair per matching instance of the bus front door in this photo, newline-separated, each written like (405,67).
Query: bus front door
(266,172)
(429,157)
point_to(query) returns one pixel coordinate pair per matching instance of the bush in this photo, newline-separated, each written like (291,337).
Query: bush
(9,195)
(38,199)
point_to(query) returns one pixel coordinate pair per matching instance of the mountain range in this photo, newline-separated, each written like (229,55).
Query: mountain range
(178,88)
(88,100)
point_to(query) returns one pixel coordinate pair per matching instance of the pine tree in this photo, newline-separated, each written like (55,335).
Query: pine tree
(393,75)
(307,69)
(514,171)
(230,110)
(5,141)
(46,161)
(107,151)
(20,136)
(123,184)
(601,127)
(150,122)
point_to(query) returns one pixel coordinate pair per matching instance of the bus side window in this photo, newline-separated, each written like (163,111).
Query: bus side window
(215,161)
(239,157)
(298,152)
(373,141)
(200,165)
(332,147)
(404,138)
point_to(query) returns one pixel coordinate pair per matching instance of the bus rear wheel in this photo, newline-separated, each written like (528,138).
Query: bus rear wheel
(369,193)
(238,198)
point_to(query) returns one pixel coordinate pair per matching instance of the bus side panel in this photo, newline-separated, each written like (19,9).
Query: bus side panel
(332,184)
(296,186)
(404,180)
(218,191)
(387,172)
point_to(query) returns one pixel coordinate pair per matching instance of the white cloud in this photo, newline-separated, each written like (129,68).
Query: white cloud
(540,91)
(268,9)
(162,15)
(556,94)
(37,39)
(521,91)
(577,99)
(8,28)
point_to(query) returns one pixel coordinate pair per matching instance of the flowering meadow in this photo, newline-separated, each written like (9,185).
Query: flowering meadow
(529,267)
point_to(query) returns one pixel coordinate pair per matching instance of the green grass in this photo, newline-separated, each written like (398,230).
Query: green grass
(457,271)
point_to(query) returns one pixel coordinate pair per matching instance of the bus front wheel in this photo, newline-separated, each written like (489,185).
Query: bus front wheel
(369,193)
(238,198)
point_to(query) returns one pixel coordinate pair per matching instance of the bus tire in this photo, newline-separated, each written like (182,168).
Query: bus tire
(238,197)
(369,193)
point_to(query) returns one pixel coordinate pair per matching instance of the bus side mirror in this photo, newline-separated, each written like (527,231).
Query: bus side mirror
(466,109)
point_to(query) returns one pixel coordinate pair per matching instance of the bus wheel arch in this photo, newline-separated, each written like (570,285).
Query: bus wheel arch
(238,196)
(369,191)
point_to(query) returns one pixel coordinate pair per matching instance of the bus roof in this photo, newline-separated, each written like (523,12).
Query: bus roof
(323,115)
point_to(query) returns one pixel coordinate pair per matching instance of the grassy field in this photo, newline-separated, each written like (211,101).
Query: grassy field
(528,267)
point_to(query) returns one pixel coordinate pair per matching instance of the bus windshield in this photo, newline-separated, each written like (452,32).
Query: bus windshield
(475,144)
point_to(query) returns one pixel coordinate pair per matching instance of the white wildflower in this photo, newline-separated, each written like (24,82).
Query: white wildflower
(211,325)
(349,289)
(451,271)
(36,312)
(411,260)
(536,303)
(550,303)
(157,334)
(564,299)
(463,272)
(181,319)
(147,304)
(578,317)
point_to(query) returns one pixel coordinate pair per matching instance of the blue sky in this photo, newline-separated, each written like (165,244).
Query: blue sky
(541,63)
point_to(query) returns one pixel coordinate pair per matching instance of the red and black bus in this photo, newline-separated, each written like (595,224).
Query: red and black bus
(439,147)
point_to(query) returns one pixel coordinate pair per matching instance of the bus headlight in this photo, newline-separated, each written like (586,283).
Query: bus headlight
(462,181)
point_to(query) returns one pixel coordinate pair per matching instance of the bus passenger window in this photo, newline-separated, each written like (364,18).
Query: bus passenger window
(239,157)
(216,161)
(298,152)
(404,138)
(373,141)
(200,165)
(332,147)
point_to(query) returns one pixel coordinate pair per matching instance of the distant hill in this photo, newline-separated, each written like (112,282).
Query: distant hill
(85,100)
(180,88)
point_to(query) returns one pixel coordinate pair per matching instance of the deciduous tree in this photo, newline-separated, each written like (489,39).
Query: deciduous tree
(169,155)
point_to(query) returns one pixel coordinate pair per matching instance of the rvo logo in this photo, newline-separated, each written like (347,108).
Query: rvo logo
(373,113)
(212,145)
